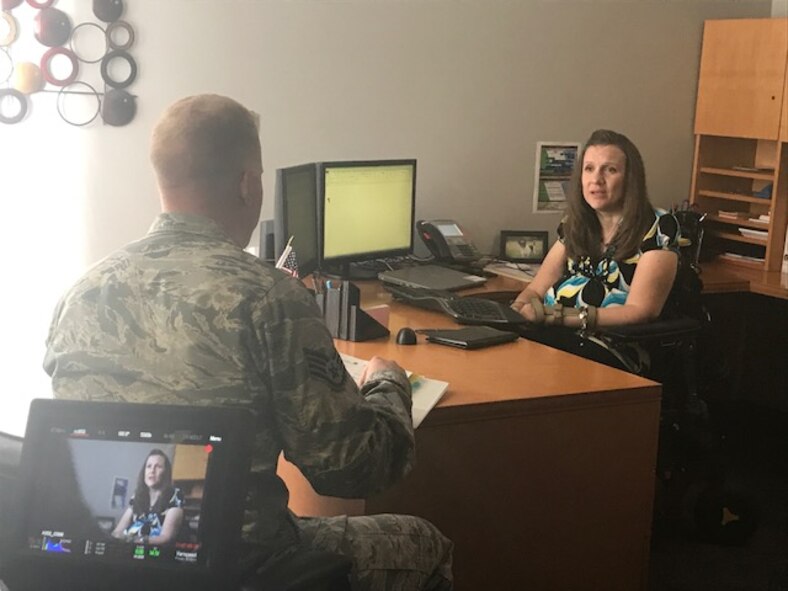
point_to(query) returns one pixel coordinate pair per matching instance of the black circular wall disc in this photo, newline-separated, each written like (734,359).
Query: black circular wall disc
(108,10)
(118,108)
(52,27)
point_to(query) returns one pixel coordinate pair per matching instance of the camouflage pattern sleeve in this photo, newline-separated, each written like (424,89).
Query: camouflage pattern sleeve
(347,443)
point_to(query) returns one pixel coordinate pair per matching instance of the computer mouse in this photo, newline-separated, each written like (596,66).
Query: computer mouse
(406,336)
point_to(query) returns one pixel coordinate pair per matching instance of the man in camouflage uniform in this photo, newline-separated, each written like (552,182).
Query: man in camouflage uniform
(185,316)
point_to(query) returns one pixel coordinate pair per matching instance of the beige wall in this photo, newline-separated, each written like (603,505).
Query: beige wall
(467,87)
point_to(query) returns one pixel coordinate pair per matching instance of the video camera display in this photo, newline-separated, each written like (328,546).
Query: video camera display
(119,494)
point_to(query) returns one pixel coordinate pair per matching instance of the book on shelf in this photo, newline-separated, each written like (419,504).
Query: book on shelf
(728,214)
(426,392)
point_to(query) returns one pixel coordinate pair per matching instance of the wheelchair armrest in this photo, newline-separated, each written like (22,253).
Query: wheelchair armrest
(303,570)
(658,330)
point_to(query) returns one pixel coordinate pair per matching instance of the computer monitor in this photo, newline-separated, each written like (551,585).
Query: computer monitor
(366,211)
(295,215)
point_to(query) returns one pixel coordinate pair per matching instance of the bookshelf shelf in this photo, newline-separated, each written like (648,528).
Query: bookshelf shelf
(739,221)
(763,175)
(741,262)
(718,186)
(741,139)
(733,197)
(739,238)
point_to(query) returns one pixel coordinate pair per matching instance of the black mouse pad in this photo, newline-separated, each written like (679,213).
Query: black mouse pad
(471,337)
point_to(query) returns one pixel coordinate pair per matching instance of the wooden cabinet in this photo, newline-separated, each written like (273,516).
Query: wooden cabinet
(742,78)
(740,171)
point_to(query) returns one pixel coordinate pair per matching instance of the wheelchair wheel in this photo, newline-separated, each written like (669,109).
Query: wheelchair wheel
(725,517)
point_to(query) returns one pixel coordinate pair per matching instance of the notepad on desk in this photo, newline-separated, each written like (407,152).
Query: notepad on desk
(426,391)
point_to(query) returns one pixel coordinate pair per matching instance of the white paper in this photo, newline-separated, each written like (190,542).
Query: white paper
(426,391)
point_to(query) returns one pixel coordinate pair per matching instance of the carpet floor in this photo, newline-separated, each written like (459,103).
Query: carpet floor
(754,453)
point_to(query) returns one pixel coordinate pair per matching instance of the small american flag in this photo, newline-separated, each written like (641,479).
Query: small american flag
(287,261)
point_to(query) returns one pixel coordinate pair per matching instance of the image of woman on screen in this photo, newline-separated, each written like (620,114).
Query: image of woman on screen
(614,262)
(155,514)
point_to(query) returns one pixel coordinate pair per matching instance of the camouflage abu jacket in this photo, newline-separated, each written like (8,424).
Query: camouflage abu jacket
(184,316)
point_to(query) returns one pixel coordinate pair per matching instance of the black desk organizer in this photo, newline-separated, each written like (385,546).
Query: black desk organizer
(340,304)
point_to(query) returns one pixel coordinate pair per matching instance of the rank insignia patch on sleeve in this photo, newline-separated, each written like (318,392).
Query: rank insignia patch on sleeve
(327,367)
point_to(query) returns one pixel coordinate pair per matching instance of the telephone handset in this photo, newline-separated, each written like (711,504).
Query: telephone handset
(446,241)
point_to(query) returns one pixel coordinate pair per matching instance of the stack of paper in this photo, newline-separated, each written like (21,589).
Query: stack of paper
(762,219)
(426,391)
(750,233)
(728,214)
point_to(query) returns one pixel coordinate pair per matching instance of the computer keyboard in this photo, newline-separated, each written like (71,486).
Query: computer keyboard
(465,310)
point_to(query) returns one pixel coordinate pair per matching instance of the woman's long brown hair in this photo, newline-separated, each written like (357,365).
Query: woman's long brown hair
(141,502)
(582,231)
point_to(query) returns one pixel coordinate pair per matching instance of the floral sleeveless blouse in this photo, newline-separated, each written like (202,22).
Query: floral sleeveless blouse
(600,282)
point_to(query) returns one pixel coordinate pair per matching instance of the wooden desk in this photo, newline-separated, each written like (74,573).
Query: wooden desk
(746,338)
(725,278)
(538,465)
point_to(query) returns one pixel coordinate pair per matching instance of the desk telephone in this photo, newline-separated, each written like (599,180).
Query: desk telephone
(447,241)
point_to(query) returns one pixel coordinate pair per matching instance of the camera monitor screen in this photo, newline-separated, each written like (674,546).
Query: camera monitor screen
(367,209)
(137,488)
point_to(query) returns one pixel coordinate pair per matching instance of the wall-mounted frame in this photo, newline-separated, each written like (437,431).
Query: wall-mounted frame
(554,164)
(523,246)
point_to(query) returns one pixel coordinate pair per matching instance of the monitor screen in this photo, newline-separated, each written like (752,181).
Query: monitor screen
(86,500)
(367,209)
(295,215)
(137,493)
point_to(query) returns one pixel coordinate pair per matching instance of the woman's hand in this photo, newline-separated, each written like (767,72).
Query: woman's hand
(525,308)
(550,272)
(124,522)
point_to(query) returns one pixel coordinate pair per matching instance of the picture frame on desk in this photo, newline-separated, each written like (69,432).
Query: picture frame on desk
(523,246)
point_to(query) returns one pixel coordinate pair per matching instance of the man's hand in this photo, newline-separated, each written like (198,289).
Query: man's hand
(377,364)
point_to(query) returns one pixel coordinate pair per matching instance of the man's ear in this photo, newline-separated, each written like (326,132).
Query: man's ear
(246,186)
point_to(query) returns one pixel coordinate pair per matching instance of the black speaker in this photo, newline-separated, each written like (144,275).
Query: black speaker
(267,240)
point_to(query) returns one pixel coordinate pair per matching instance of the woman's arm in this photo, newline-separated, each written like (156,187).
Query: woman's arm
(651,285)
(551,270)
(173,518)
(123,523)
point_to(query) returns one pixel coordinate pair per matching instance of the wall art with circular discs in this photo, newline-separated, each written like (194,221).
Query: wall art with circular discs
(86,67)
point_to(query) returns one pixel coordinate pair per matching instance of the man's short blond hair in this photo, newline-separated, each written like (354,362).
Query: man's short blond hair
(202,139)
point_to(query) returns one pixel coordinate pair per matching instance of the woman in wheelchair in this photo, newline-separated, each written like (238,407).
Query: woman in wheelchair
(614,263)
(155,514)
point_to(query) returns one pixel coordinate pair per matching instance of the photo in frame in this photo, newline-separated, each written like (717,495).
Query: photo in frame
(523,246)
(554,164)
